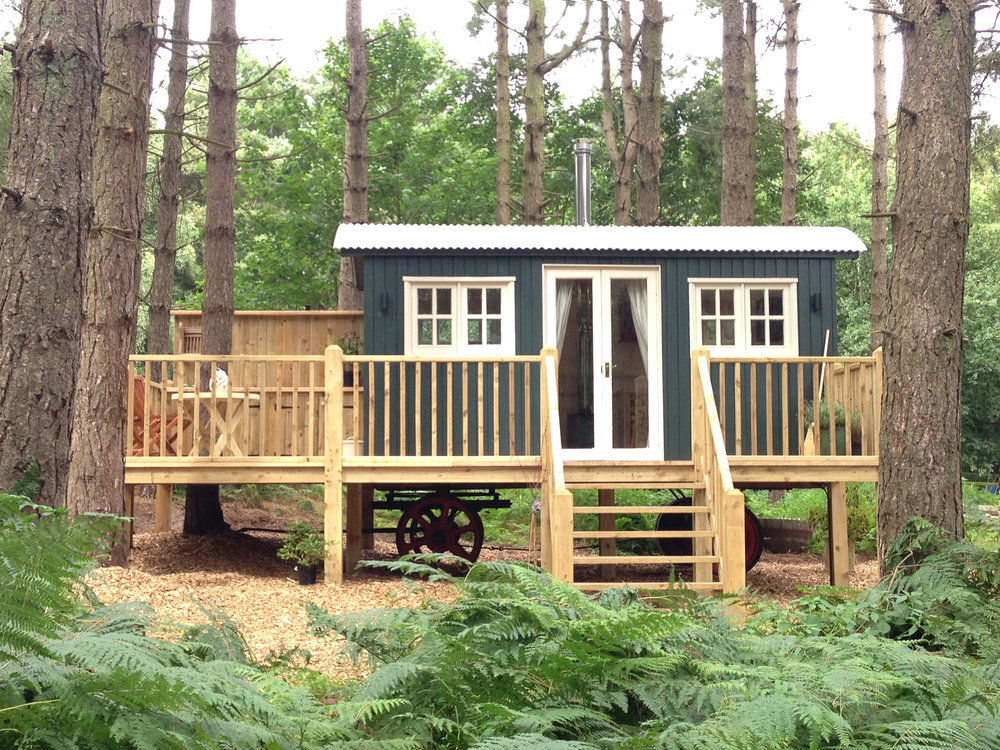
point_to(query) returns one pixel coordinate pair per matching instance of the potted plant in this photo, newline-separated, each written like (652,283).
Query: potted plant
(840,430)
(306,547)
(350,344)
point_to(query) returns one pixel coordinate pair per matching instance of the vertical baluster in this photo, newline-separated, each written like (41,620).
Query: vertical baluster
(738,406)
(434,409)
(465,408)
(386,408)
(754,411)
(784,409)
(769,415)
(480,409)
(512,447)
(450,396)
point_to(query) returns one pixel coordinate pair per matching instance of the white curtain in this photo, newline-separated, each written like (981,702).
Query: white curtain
(564,297)
(640,319)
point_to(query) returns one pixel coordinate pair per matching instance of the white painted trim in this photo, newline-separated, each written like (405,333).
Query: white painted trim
(789,287)
(458,284)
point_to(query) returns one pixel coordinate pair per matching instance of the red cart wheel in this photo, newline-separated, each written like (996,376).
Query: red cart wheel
(684,522)
(440,523)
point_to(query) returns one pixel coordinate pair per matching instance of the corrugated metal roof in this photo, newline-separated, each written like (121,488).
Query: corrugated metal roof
(371,239)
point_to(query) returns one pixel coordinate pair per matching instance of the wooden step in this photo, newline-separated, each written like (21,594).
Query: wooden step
(644,559)
(643,534)
(709,587)
(624,510)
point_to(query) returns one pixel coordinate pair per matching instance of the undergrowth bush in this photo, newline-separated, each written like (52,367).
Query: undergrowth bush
(78,674)
(519,660)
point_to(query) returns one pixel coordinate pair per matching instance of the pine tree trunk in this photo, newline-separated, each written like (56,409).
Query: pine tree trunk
(355,154)
(920,470)
(203,514)
(622,157)
(165,250)
(650,148)
(736,208)
(45,210)
(790,148)
(97,468)
(533,163)
(503,115)
(880,189)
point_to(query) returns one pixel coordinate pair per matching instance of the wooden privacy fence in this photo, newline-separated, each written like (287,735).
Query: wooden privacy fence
(275,331)
(799,405)
(471,406)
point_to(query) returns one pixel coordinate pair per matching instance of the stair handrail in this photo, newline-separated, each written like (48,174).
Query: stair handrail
(557,501)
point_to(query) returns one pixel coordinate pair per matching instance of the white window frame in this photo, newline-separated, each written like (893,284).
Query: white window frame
(741,298)
(459,285)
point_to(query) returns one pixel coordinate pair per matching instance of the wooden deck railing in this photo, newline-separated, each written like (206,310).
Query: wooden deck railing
(467,406)
(799,405)
(272,407)
(711,466)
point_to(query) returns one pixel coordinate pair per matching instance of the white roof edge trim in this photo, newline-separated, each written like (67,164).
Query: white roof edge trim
(774,239)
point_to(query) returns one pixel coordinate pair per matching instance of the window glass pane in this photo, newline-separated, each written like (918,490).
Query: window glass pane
(728,331)
(424,302)
(757,333)
(493,301)
(444,301)
(727,305)
(708,302)
(426,334)
(757,302)
(475,297)
(475,331)
(493,331)
(777,333)
(708,333)
(775,299)
(444,332)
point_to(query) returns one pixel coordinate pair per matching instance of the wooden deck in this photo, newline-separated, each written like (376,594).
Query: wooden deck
(482,422)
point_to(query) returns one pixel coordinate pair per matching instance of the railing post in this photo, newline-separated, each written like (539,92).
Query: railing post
(734,572)
(557,502)
(333,516)
(698,406)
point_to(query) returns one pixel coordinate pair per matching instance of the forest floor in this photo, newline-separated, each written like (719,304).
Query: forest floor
(185,577)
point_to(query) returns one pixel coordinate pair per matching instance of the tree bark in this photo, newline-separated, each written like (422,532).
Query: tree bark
(45,210)
(650,147)
(880,188)
(736,208)
(97,469)
(165,251)
(919,470)
(790,142)
(537,65)
(355,153)
(622,157)
(503,115)
(750,83)
(203,514)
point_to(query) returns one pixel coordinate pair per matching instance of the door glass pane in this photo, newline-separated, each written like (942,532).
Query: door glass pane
(444,332)
(575,333)
(728,329)
(475,301)
(475,332)
(444,301)
(628,366)
(757,302)
(727,304)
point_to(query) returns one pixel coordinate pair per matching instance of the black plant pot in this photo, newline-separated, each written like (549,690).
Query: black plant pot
(307,574)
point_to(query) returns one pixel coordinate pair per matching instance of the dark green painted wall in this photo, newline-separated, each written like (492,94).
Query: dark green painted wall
(384,330)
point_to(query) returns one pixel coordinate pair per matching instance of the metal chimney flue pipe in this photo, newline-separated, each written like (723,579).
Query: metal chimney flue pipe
(581,150)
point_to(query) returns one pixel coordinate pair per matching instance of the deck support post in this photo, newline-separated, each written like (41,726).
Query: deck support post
(333,469)
(355,522)
(129,512)
(367,515)
(162,507)
(608,546)
(734,569)
(837,542)
(701,546)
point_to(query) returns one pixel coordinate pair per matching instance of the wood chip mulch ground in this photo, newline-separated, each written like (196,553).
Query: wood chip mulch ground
(240,574)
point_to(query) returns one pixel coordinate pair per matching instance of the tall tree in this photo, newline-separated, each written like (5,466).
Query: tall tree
(650,146)
(919,470)
(97,469)
(503,114)
(202,512)
(165,249)
(537,65)
(45,209)
(622,155)
(737,206)
(355,152)
(750,84)
(880,185)
(790,151)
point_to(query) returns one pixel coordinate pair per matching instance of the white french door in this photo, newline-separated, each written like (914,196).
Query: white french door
(605,322)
